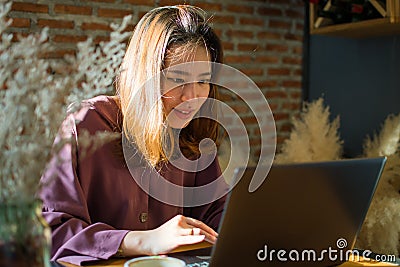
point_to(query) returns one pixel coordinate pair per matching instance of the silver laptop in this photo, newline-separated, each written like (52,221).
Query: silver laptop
(305,214)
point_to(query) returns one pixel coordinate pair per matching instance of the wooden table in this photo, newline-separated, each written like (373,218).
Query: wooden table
(120,263)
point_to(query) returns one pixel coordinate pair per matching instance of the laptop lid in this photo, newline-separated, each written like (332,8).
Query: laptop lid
(306,214)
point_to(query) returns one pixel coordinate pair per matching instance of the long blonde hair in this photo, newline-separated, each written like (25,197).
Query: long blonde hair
(140,94)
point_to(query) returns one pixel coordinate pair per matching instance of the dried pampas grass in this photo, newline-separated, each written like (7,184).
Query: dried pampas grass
(381,229)
(34,96)
(313,138)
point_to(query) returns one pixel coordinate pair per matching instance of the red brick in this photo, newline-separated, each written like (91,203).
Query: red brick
(291,105)
(225,97)
(293,37)
(270,12)
(299,26)
(240,9)
(106,1)
(140,2)
(260,1)
(268,83)
(69,38)
(237,59)
(252,72)
(267,59)
(277,47)
(281,116)
(252,21)
(273,106)
(286,127)
(59,53)
(240,34)
(129,28)
(294,14)
(249,120)
(171,2)
(218,32)
(256,131)
(298,50)
(257,152)
(78,10)
(296,84)
(249,47)
(278,71)
(295,95)
(281,139)
(113,13)
(61,24)
(95,26)
(269,35)
(275,94)
(298,72)
(29,7)
(223,19)
(292,60)
(240,109)
(209,6)
(20,23)
(99,39)
(227,45)
(280,2)
(141,14)
(279,24)
(254,141)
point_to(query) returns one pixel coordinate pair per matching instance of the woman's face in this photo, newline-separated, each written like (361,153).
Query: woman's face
(185,87)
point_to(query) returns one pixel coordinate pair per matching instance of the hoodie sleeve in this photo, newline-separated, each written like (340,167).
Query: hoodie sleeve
(75,238)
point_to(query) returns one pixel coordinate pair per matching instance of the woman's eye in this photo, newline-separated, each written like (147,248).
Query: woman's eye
(176,80)
(206,81)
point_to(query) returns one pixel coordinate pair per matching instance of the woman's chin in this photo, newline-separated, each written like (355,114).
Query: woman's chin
(178,124)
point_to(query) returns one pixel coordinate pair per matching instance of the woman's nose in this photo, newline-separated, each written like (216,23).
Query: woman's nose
(189,91)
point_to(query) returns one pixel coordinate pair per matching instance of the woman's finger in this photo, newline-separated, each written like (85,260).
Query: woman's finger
(190,231)
(201,225)
(209,238)
(190,239)
(196,231)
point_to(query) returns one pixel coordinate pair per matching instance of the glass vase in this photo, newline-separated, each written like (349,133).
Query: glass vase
(24,235)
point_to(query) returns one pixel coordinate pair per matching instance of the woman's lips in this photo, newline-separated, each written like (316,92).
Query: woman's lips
(183,114)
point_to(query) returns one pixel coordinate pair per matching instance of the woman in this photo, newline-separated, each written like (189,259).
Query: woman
(96,206)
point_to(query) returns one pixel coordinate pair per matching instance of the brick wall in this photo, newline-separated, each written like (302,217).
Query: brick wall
(262,38)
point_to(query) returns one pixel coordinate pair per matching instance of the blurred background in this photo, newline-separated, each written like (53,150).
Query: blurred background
(269,40)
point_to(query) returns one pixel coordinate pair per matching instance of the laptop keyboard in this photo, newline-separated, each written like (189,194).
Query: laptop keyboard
(195,261)
(198,264)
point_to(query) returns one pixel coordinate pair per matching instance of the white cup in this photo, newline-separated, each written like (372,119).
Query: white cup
(155,261)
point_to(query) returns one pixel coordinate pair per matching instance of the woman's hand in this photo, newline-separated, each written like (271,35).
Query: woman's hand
(178,231)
